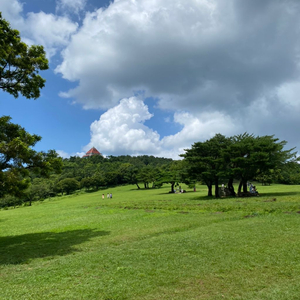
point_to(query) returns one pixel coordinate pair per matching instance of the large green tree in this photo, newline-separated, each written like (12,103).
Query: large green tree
(206,161)
(20,64)
(18,158)
(255,155)
(243,157)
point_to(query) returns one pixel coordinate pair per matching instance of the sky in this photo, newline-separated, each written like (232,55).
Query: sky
(150,77)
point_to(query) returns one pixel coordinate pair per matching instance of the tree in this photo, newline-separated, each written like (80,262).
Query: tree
(206,161)
(17,158)
(172,173)
(20,64)
(68,185)
(252,156)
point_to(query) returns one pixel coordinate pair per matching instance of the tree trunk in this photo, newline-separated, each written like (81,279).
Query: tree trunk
(209,189)
(245,188)
(231,187)
(217,187)
(137,185)
(240,187)
(172,186)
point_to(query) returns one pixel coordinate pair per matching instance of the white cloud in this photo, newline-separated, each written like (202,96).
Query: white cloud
(51,31)
(70,5)
(64,154)
(120,130)
(191,54)
(11,10)
(199,127)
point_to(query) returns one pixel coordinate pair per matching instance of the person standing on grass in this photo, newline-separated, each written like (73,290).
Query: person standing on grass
(107,195)
(110,195)
(102,196)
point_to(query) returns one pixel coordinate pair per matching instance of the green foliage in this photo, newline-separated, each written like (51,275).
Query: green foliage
(206,161)
(242,157)
(289,173)
(20,64)
(68,185)
(9,200)
(17,158)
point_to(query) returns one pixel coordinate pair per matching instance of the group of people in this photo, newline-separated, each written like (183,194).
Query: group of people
(109,195)
(252,189)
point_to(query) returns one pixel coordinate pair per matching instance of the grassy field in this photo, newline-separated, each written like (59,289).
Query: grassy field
(150,244)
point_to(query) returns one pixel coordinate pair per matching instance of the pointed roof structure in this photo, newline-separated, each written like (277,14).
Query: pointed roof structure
(93,151)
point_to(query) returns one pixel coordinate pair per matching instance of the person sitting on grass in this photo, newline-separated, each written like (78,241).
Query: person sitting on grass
(253,190)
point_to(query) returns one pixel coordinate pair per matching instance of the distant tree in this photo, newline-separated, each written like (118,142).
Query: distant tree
(206,161)
(98,180)
(86,183)
(172,173)
(148,174)
(68,185)
(252,156)
(20,64)
(290,173)
(9,200)
(17,158)
(130,174)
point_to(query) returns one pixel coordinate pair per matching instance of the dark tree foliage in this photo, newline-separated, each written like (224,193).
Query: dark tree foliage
(242,157)
(17,158)
(68,185)
(20,64)
(252,156)
(206,161)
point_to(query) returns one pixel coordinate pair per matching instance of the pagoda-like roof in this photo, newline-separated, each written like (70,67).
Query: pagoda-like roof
(92,151)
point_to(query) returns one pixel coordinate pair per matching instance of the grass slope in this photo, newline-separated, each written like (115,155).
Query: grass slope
(150,244)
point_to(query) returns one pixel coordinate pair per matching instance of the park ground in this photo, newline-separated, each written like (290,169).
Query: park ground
(149,244)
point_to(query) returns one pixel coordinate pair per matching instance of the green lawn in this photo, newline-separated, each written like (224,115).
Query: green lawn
(150,244)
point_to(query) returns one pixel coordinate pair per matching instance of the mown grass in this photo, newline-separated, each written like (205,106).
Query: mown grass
(150,244)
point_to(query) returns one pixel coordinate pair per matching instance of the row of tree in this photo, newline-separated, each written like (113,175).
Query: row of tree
(242,157)
(219,160)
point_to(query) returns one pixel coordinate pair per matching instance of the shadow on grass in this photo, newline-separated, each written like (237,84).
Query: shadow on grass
(23,248)
(169,193)
(272,194)
(279,194)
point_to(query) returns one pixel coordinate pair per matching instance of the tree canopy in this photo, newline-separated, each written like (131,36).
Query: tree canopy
(242,157)
(17,158)
(20,64)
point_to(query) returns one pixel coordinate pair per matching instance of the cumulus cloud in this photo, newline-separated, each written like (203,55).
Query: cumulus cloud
(121,130)
(190,54)
(11,10)
(234,62)
(51,31)
(74,6)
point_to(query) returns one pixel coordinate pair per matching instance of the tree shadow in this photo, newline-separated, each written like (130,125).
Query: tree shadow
(169,193)
(23,248)
(273,194)
(206,198)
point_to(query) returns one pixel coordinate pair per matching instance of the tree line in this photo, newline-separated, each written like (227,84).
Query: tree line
(219,160)
(241,158)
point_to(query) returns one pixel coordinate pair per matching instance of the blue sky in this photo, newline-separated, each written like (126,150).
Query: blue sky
(153,77)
